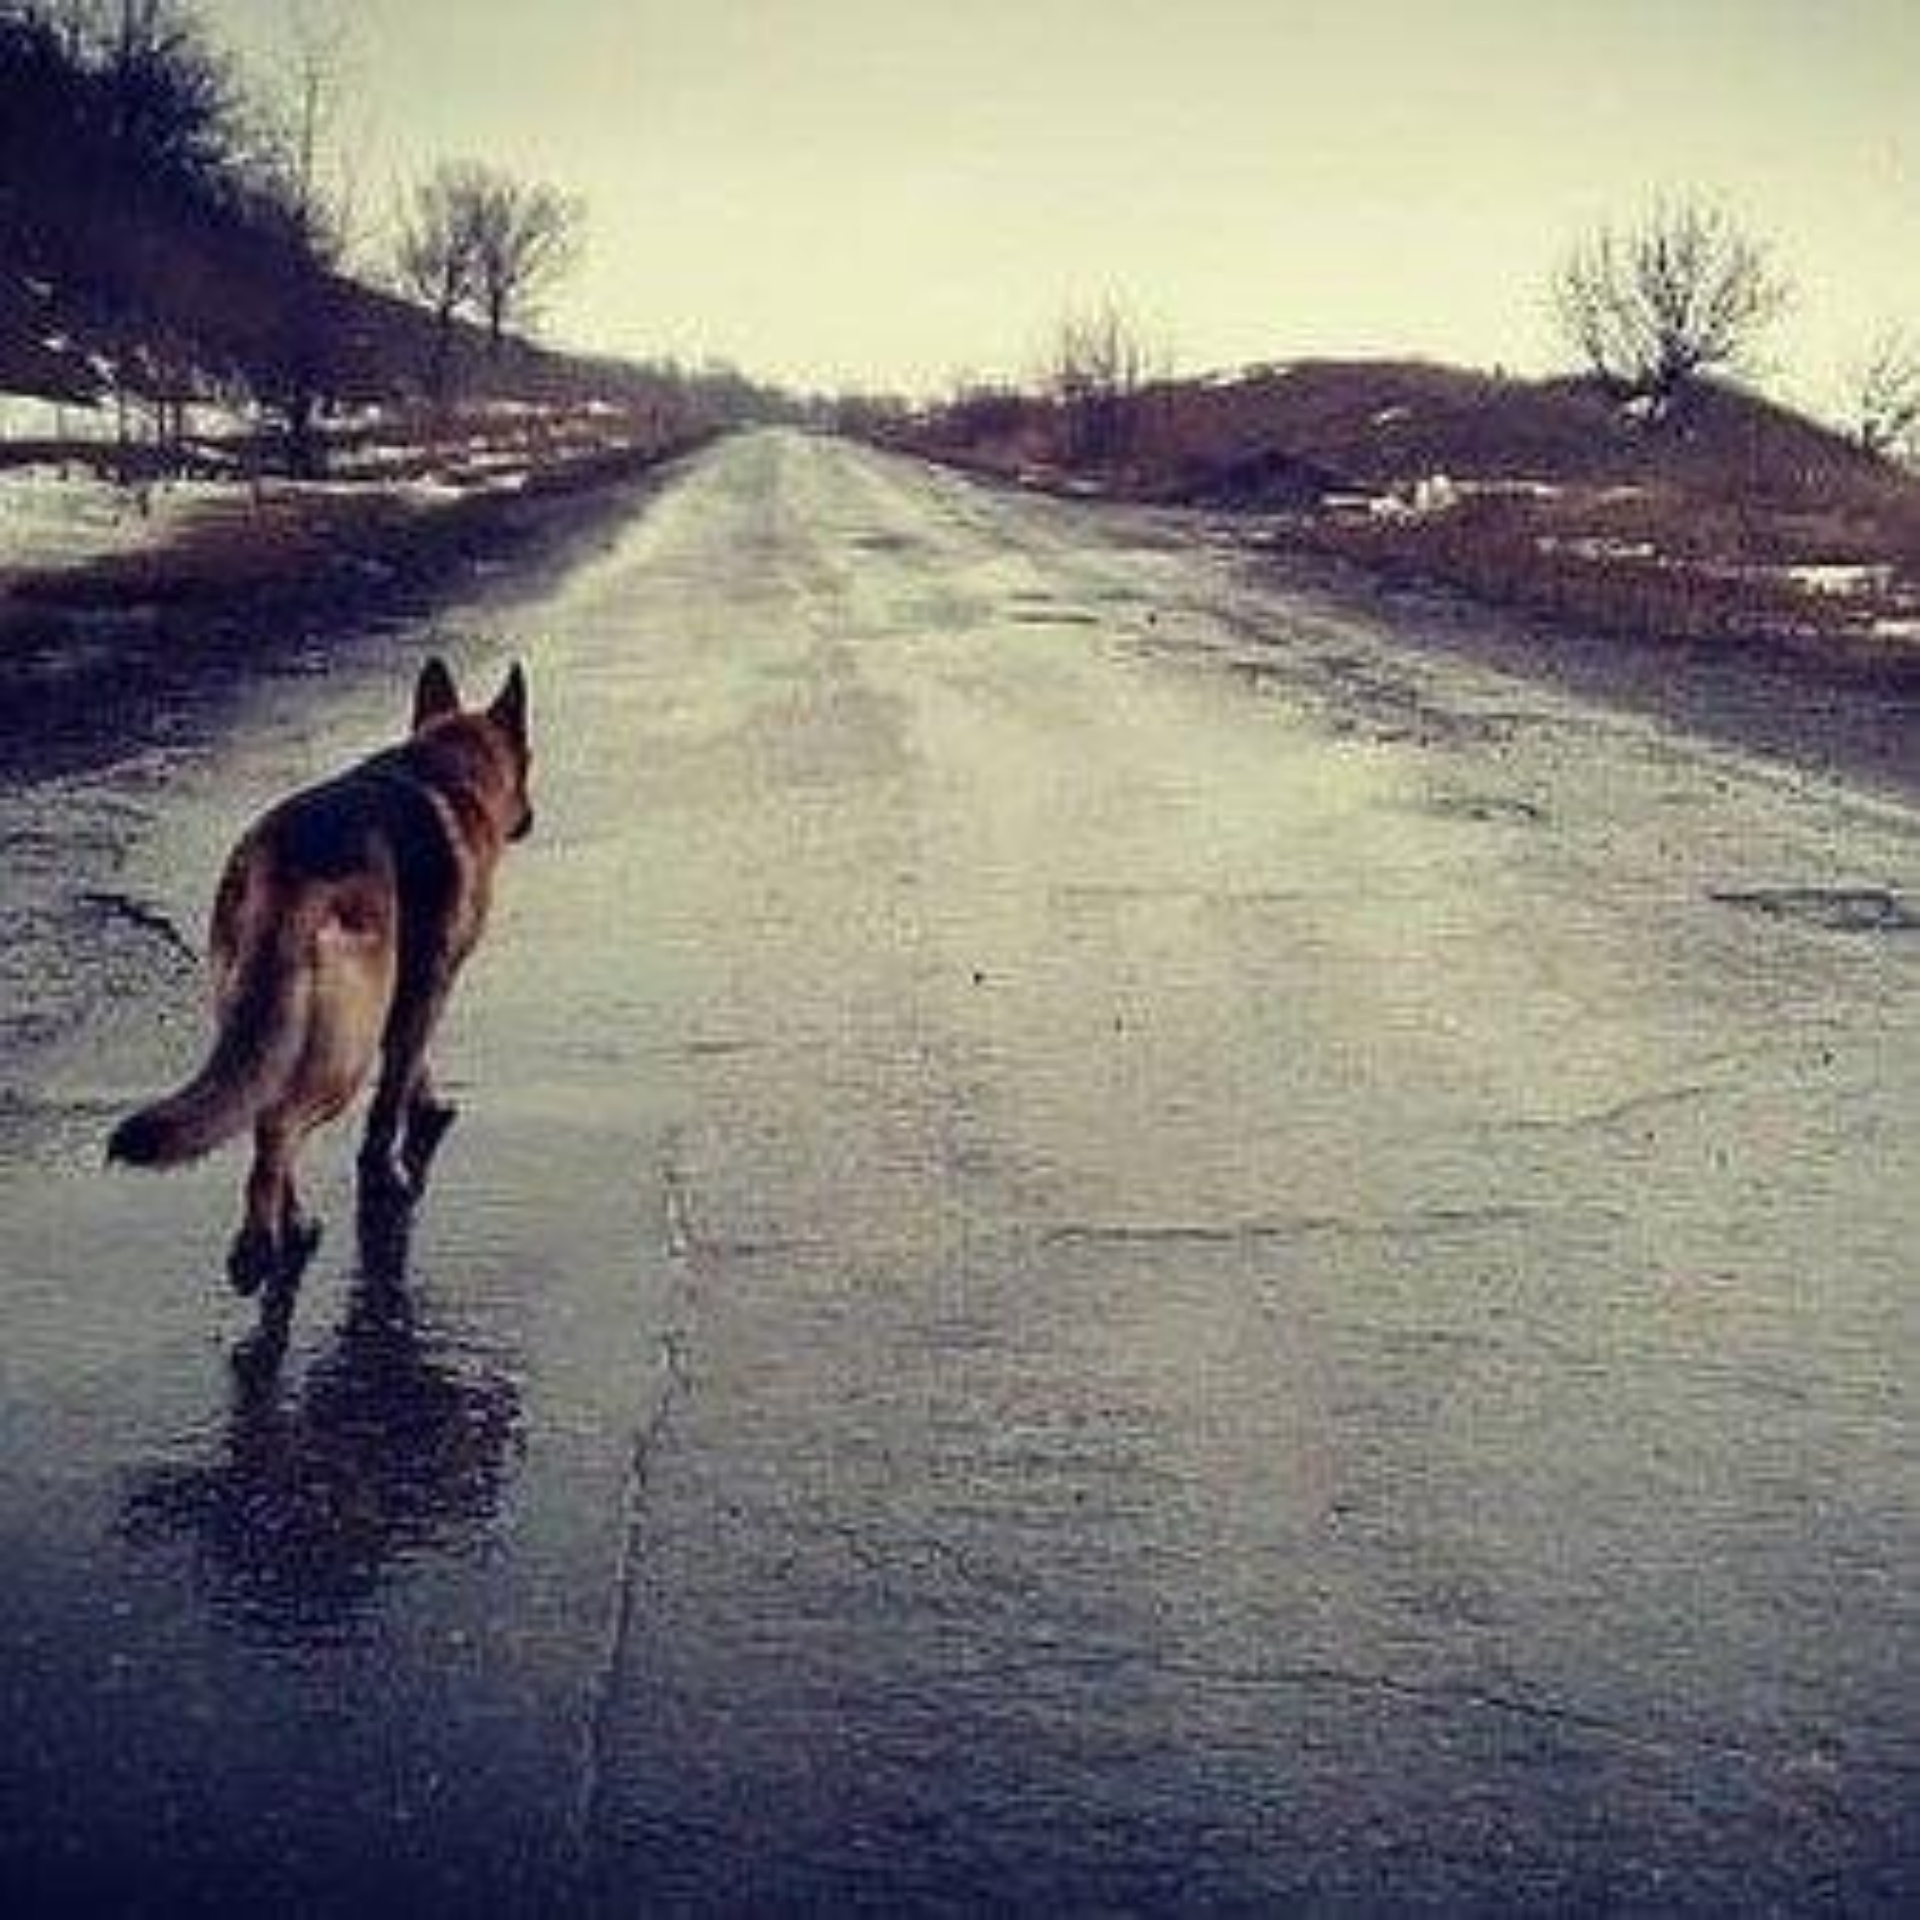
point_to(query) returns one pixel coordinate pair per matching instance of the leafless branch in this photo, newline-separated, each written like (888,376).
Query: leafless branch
(1100,364)
(1884,395)
(525,236)
(1656,307)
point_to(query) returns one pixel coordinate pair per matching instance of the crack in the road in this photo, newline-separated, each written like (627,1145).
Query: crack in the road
(1487,809)
(1618,1112)
(1306,1226)
(1831,909)
(1445,1696)
(674,1373)
(149,919)
(1075,893)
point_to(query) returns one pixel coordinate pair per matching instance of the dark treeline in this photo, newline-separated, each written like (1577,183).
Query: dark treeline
(159,213)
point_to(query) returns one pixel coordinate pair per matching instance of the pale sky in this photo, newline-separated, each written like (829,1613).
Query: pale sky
(889,192)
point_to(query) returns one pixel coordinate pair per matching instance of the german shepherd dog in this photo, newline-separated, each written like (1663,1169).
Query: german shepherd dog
(342,918)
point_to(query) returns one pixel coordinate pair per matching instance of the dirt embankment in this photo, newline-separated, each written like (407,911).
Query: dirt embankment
(1729,524)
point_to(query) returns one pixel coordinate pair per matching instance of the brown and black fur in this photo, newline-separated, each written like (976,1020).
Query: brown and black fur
(340,924)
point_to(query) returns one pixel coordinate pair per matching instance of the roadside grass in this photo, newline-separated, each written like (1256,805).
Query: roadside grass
(230,547)
(248,572)
(101,535)
(1662,567)
(1496,552)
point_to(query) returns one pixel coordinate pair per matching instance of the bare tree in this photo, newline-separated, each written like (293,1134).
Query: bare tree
(162,88)
(1099,366)
(306,186)
(76,27)
(435,256)
(525,236)
(1884,395)
(305,152)
(171,95)
(148,119)
(1656,307)
(980,411)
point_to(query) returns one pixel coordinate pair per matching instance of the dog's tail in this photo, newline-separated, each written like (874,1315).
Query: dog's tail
(261,1034)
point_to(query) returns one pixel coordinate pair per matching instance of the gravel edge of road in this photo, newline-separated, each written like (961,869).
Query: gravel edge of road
(1782,706)
(1792,705)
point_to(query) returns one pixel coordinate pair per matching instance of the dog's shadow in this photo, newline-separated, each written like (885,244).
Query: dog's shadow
(393,1442)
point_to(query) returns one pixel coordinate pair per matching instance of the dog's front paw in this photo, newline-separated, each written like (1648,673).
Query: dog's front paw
(426,1127)
(384,1182)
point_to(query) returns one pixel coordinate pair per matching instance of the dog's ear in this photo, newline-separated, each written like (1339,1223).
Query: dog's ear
(434,693)
(510,708)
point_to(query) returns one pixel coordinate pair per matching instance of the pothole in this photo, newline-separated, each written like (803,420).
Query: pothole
(1833,909)
(1030,615)
(1490,809)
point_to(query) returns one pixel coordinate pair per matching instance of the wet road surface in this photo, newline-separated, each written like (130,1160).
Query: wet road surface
(1114,1245)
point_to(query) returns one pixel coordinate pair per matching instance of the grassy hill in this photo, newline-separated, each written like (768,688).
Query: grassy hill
(1381,423)
(1373,424)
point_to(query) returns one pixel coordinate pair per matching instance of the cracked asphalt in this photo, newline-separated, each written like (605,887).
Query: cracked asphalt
(1118,1243)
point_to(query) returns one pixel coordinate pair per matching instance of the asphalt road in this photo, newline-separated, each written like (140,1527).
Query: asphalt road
(1116,1244)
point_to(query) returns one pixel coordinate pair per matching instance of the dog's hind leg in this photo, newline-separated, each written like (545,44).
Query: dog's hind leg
(276,1239)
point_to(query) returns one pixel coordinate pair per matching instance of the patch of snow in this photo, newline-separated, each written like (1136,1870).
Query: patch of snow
(50,519)
(1510,487)
(217,419)
(371,459)
(423,490)
(1598,546)
(1840,577)
(1440,492)
(493,460)
(31,416)
(1432,493)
